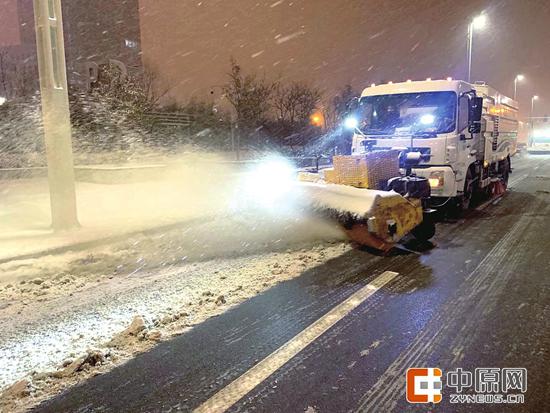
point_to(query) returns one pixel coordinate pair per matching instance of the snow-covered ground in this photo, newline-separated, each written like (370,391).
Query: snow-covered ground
(190,244)
(189,189)
(68,318)
(55,309)
(192,188)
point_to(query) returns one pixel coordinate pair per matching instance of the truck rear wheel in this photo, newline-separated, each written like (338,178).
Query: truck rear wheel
(505,171)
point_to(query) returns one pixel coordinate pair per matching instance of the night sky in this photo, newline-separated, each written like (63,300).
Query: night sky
(334,42)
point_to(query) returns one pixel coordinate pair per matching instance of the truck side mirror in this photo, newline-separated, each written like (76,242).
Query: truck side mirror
(474,115)
(353,104)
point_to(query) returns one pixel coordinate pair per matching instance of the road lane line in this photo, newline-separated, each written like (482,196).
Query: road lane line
(514,182)
(486,279)
(241,386)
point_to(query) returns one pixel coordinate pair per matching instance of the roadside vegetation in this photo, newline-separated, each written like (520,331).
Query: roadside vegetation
(123,116)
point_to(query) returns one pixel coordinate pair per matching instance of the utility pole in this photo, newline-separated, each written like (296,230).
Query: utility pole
(55,112)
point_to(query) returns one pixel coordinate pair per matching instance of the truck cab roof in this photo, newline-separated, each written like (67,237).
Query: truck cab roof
(418,86)
(458,86)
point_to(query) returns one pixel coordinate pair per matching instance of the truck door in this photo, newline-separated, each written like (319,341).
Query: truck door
(465,141)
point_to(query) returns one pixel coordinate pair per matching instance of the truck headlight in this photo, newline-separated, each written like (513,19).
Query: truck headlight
(436,179)
(351,123)
(269,182)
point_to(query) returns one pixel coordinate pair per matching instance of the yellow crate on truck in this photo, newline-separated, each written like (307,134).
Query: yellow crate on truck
(370,170)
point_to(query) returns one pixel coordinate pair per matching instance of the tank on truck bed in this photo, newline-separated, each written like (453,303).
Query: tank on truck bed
(501,114)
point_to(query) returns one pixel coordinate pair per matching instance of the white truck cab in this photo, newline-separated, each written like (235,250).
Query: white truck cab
(434,123)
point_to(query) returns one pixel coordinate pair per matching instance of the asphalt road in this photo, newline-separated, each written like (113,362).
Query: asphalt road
(479,299)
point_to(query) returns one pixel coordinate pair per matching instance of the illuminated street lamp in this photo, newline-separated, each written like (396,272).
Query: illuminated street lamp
(478,23)
(54,96)
(317,119)
(518,78)
(533,99)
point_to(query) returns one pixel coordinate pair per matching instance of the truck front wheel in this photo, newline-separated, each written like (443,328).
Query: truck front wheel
(469,189)
(425,231)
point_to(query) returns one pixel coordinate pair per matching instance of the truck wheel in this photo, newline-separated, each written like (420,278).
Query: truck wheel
(469,189)
(506,172)
(425,231)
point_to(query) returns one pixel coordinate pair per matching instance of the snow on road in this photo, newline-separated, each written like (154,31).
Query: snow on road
(231,236)
(55,309)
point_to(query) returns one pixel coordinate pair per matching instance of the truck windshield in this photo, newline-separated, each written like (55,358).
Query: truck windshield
(425,113)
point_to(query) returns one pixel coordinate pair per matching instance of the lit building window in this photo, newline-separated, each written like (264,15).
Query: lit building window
(132,44)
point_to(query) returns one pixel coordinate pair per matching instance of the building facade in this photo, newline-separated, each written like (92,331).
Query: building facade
(97,33)
(18,64)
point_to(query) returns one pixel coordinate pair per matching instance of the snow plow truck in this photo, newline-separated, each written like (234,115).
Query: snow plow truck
(417,146)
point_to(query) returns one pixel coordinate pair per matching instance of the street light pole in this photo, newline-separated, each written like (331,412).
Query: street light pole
(533,99)
(55,113)
(477,23)
(235,147)
(517,79)
(470,44)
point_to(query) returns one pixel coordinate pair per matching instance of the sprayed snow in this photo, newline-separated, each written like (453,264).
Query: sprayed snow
(190,189)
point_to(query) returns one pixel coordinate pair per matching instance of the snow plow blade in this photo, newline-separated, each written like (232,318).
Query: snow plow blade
(378,219)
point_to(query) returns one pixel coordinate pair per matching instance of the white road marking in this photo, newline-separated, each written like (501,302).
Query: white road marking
(514,182)
(237,389)
(491,201)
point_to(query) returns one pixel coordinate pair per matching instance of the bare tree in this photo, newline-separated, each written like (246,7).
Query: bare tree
(133,94)
(295,103)
(249,96)
(114,112)
(152,86)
